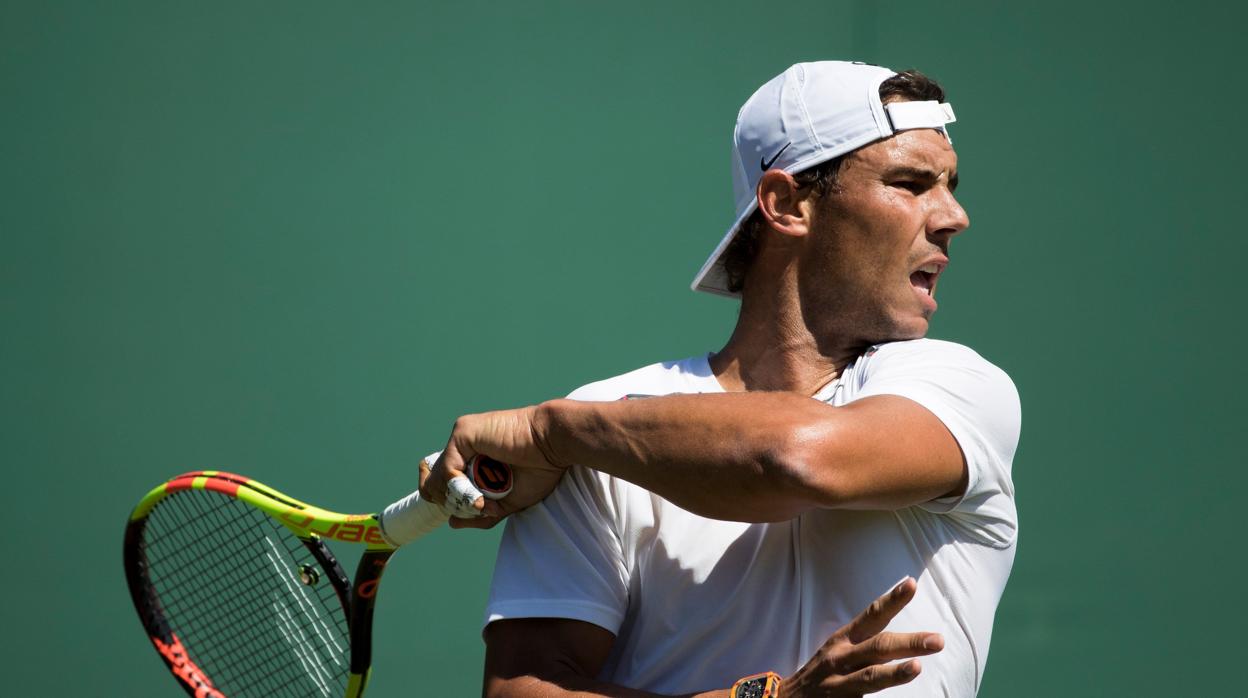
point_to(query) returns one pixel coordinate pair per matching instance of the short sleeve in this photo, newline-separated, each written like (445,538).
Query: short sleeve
(978,404)
(562,558)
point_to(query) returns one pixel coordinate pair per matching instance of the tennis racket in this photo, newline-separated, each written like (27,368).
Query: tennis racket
(237,587)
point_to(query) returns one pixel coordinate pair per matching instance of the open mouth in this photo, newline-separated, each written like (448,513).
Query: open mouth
(924,279)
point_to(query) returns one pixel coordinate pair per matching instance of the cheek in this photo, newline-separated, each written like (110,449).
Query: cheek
(883,258)
(886,232)
(867,254)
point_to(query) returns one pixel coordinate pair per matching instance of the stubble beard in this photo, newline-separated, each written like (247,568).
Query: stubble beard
(850,317)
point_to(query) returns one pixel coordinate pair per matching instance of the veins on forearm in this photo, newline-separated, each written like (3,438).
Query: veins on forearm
(748,446)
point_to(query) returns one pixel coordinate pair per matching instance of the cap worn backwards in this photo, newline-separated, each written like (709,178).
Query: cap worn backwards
(805,116)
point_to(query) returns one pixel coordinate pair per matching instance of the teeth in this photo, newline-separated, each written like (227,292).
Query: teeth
(929,268)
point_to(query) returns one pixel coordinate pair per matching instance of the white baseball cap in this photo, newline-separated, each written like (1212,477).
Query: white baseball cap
(807,115)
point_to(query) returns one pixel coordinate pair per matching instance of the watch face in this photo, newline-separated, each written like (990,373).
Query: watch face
(754,688)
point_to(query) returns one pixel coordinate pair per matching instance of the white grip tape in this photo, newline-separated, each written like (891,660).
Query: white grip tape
(412,518)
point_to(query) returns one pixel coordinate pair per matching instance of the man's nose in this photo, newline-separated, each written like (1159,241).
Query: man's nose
(949,218)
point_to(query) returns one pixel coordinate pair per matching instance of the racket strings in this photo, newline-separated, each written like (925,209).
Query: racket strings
(213,570)
(238,621)
(227,579)
(214,619)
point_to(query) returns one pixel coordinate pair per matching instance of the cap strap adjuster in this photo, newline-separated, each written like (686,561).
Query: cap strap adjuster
(904,116)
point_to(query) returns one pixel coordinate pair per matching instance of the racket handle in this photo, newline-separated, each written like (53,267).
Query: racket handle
(491,477)
(412,518)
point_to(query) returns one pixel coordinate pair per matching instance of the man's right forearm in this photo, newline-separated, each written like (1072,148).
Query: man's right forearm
(676,445)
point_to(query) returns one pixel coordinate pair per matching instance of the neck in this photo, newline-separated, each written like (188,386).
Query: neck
(772,348)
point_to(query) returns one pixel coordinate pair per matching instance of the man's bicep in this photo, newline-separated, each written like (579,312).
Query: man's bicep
(531,651)
(889,452)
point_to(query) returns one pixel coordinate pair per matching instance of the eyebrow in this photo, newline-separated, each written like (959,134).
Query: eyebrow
(920,173)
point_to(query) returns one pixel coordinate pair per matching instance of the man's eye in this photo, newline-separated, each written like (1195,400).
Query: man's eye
(911,186)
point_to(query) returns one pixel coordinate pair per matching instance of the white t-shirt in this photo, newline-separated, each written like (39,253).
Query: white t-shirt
(697,603)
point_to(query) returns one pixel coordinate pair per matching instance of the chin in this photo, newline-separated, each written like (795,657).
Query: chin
(918,333)
(903,329)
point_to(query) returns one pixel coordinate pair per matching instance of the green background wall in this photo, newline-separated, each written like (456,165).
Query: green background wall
(295,240)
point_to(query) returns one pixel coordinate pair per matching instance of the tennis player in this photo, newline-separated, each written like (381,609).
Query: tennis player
(716,526)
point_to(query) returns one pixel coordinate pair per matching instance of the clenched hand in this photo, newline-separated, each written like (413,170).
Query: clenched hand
(514,437)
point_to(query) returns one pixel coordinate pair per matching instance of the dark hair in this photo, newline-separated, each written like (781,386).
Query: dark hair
(820,180)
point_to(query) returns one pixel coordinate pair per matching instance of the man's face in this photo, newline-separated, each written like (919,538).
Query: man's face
(880,241)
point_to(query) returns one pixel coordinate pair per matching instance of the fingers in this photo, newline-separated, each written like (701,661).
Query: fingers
(862,658)
(880,613)
(887,647)
(449,465)
(878,677)
(462,498)
(446,485)
(433,484)
(507,436)
(839,671)
(846,669)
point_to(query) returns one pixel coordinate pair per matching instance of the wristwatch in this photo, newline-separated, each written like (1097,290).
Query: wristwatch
(764,685)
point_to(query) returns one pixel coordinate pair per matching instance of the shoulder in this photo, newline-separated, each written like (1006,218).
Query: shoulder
(933,359)
(929,351)
(661,378)
(950,379)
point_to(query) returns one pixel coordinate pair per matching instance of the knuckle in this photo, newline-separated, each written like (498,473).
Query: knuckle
(835,657)
(831,663)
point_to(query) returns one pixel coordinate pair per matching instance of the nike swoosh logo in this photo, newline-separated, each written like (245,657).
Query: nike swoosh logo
(766,164)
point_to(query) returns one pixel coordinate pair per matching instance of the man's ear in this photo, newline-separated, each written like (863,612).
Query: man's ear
(783,204)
